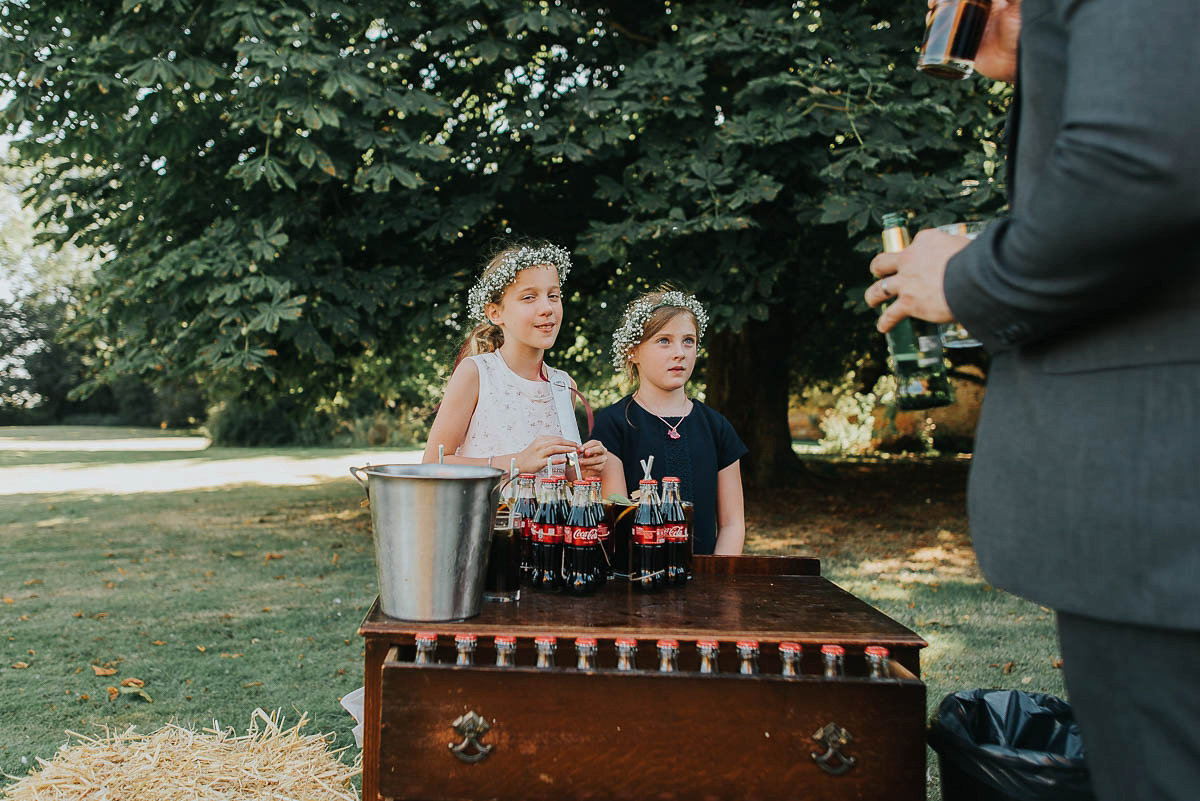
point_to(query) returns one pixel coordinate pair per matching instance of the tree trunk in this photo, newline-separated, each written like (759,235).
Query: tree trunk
(748,383)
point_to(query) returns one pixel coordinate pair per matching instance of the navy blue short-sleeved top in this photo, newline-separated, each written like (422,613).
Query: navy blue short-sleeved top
(707,444)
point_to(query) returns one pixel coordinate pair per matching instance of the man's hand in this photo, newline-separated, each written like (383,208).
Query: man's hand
(997,55)
(912,279)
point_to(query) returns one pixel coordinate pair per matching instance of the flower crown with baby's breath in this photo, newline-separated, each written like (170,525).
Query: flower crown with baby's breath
(492,285)
(637,314)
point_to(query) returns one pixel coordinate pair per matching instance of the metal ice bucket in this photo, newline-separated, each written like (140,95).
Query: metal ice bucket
(432,525)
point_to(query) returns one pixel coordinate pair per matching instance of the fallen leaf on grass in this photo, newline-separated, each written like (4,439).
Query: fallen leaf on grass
(250,684)
(201,648)
(1056,663)
(132,682)
(231,656)
(31,582)
(1008,667)
(103,671)
(19,665)
(268,557)
(113,692)
(8,600)
(138,692)
(159,642)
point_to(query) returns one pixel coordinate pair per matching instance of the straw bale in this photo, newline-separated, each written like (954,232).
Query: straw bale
(174,763)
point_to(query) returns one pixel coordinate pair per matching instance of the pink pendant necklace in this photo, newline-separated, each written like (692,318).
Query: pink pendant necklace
(672,430)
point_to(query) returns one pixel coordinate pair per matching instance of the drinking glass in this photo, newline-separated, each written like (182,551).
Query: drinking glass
(952,38)
(503,579)
(952,334)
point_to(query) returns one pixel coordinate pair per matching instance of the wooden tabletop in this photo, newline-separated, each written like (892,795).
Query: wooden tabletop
(806,609)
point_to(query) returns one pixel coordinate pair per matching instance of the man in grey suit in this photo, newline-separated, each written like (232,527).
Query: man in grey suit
(1085,486)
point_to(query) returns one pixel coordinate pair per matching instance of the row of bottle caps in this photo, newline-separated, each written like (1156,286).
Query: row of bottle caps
(586,648)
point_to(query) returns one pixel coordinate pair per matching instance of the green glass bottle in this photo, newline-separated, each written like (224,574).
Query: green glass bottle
(915,346)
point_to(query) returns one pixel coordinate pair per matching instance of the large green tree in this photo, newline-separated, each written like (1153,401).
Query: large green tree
(293,195)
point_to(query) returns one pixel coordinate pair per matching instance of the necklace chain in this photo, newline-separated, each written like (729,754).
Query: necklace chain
(672,430)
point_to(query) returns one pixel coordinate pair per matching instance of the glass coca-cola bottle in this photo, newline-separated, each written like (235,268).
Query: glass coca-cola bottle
(524,509)
(877,662)
(579,545)
(547,534)
(789,659)
(833,658)
(747,657)
(647,546)
(585,653)
(668,656)
(545,646)
(678,550)
(426,646)
(465,643)
(626,653)
(709,651)
(600,520)
(506,650)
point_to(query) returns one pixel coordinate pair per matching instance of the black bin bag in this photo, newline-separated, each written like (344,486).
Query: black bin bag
(1006,745)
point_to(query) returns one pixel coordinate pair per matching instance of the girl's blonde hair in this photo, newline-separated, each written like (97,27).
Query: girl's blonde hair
(644,317)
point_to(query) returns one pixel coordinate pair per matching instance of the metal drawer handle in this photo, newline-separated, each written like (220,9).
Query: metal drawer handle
(471,726)
(833,761)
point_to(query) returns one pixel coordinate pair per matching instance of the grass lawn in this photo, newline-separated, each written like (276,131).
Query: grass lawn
(224,599)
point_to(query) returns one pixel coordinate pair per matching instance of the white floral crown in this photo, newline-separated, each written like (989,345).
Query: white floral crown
(629,335)
(494,283)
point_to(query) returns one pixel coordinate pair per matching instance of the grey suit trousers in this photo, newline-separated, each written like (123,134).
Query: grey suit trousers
(1133,689)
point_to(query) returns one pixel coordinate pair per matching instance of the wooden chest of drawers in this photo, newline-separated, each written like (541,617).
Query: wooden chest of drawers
(442,731)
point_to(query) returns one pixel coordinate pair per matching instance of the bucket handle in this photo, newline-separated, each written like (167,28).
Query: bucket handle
(354,471)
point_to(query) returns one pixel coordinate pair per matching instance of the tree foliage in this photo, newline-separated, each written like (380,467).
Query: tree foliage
(294,195)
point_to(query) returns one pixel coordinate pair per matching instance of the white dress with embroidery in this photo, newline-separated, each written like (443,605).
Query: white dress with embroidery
(511,411)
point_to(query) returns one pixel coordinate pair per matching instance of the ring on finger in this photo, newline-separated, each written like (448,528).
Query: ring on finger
(883,285)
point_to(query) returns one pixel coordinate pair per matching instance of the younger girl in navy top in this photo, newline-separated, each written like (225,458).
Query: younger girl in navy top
(655,347)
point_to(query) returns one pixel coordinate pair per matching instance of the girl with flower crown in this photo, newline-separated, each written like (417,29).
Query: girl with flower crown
(498,404)
(655,347)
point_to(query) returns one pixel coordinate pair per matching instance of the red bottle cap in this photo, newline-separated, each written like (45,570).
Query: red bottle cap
(425,638)
(645,481)
(747,643)
(790,648)
(876,650)
(464,639)
(580,483)
(544,640)
(505,639)
(527,475)
(835,650)
(585,641)
(668,643)
(707,644)
(670,478)
(625,641)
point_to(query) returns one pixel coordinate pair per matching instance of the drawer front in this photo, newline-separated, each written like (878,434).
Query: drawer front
(565,734)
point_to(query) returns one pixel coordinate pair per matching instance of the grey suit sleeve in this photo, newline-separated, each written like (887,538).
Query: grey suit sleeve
(1119,190)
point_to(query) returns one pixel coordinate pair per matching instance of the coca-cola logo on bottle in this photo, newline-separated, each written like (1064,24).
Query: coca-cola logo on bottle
(580,535)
